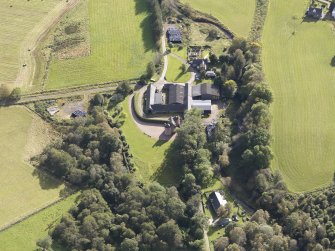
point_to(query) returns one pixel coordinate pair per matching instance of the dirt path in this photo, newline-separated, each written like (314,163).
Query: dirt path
(165,57)
(26,73)
(64,94)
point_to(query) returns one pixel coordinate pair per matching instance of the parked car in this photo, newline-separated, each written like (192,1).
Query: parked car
(235,217)
(223,222)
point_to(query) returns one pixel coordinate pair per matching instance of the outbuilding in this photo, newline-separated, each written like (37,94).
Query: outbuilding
(315,12)
(205,91)
(216,200)
(174,35)
(78,114)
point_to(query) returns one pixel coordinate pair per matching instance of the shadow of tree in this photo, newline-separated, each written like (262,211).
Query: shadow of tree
(332,62)
(46,180)
(170,172)
(146,26)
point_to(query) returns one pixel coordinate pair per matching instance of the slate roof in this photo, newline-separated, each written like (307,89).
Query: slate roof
(177,98)
(174,35)
(176,94)
(205,89)
(315,12)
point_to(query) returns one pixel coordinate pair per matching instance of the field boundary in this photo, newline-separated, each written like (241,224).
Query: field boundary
(200,17)
(258,22)
(25,75)
(38,210)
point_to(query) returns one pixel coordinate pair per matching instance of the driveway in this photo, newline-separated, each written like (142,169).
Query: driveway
(152,130)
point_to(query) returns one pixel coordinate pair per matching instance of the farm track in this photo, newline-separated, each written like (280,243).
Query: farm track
(64,93)
(26,74)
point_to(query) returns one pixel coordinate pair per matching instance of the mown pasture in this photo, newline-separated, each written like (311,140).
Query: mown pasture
(17,20)
(22,135)
(121,46)
(236,15)
(24,235)
(154,159)
(297,57)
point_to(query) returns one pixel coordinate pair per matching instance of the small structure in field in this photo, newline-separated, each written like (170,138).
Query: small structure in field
(53,110)
(174,35)
(78,114)
(216,200)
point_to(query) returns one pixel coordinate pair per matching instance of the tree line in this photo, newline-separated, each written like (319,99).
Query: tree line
(292,221)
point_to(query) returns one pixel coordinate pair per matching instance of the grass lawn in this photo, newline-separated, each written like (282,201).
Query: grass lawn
(236,15)
(15,24)
(175,71)
(154,159)
(24,235)
(121,45)
(22,135)
(297,60)
(198,35)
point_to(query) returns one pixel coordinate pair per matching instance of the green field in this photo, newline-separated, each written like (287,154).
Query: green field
(121,45)
(24,235)
(154,159)
(175,71)
(22,192)
(236,15)
(297,61)
(16,23)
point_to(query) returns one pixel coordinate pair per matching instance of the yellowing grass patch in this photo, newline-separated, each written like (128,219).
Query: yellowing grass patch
(22,192)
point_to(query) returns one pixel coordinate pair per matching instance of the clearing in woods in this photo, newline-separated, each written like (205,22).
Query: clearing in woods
(236,15)
(154,159)
(121,45)
(30,21)
(297,58)
(22,189)
(24,235)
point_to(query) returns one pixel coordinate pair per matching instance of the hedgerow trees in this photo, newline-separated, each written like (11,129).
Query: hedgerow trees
(157,17)
(191,141)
